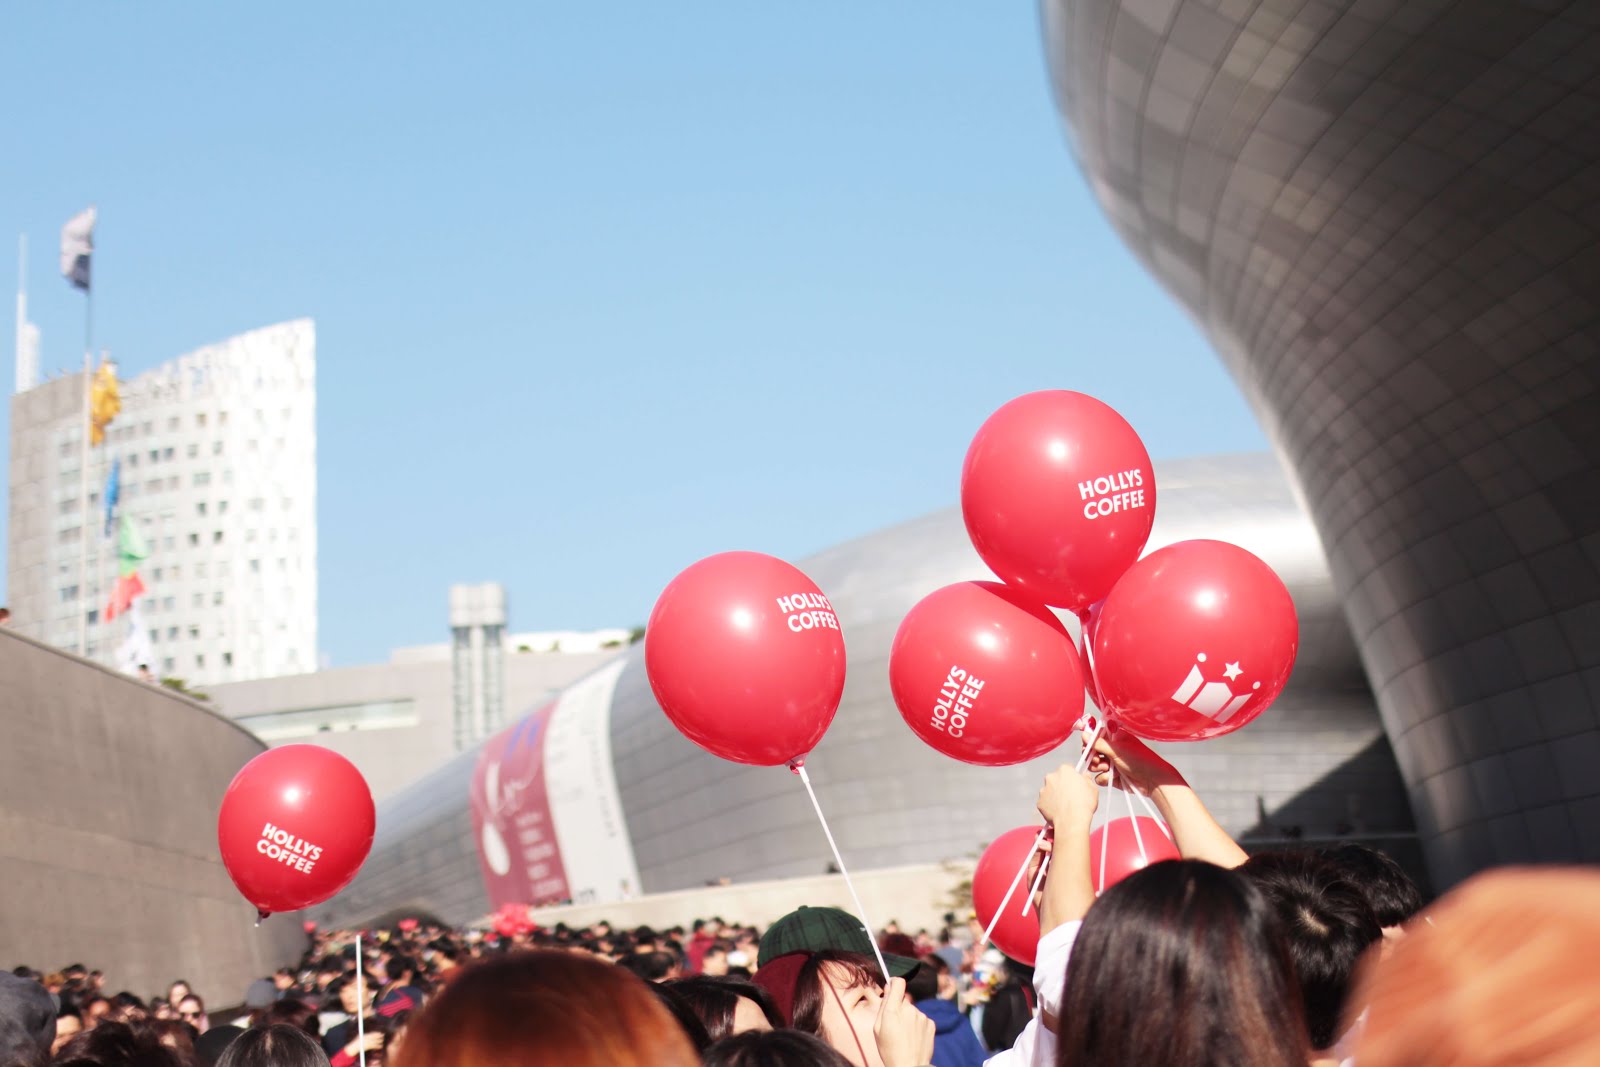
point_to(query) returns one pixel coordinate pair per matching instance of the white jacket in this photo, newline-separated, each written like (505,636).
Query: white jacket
(1036,1045)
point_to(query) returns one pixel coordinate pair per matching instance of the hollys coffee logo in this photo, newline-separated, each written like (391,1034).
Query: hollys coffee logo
(957,701)
(808,611)
(289,850)
(1111,493)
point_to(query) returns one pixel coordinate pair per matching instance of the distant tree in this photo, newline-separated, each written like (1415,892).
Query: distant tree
(178,685)
(636,635)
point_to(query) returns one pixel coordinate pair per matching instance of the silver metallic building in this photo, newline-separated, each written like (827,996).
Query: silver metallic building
(1386,214)
(1316,765)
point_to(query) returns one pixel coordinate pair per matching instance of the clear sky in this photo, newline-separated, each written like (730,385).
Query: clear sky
(599,288)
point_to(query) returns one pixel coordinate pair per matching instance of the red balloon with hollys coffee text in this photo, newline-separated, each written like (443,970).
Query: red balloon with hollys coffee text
(1058,495)
(745,655)
(1195,641)
(1016,934)
(986,674)
(294,827)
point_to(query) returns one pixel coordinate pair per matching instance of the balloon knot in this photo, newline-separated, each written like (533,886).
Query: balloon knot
(796,763)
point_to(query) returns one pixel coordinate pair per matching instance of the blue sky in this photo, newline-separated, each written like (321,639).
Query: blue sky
(599,289)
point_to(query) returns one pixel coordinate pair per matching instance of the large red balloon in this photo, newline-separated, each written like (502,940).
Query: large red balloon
(1016,934)
(1122,852)
(294,827)
(746,657)
(1194,642)
(1058,495)
(986,674)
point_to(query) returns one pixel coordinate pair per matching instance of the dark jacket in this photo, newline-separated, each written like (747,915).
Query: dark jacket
(954,1043)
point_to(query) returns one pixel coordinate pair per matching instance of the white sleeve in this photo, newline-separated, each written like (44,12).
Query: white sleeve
(1036,1045)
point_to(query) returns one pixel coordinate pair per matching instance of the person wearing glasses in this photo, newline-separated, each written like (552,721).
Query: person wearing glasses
(192,1010)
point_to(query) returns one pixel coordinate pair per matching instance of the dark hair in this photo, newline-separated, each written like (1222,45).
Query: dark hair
(809,995)
(290,1012)
(922,983)
(1196,947)
(651,966)
(773,1048)
(1327,924)
(1006,1015)
(1390,892)
(280,1045)
(117,1045)
(693,1028)
(714,1001)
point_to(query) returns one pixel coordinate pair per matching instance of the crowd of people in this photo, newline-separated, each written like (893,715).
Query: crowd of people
(1297,958)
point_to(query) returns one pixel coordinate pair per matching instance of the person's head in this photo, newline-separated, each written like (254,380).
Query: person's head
(114,1044)
(127,1008)
(283,979)
(192,1010)
(352,994)
(528,1008)
(1390,892)
(832,995)
(1181,964)
(773,1048)
(209,1046)
(27,1018)
(177,991)
(177,1036)
(728,1006)
(290,1012)
(163,1011)
(93,1009)
(1327,925)
(5,616)
(69,1024)
(1502,972)
(280,1045)
(693,1028)
(651,966)
(715,961)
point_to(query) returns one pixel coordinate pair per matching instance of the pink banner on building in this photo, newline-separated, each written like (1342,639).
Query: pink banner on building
(517,847)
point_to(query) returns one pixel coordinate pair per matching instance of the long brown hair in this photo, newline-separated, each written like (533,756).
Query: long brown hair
(534,1008)
(1181,964)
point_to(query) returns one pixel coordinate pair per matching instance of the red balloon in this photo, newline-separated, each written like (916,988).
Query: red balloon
(746,657)
(1194,642)
(309,926)
(1058,495)
(986,674)
(1016,934)
(1123,855)
(294,827)
(406,925)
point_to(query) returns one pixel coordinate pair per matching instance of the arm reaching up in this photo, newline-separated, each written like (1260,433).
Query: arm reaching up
(1197,834)
(1067,803)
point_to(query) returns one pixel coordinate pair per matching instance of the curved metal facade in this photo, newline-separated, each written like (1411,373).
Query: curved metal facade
(1386,214)
(1314,765)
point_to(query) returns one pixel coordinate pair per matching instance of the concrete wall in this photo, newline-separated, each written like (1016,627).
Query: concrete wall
(109,791)
(915,897)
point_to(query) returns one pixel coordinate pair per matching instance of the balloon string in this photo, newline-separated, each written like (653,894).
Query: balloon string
(1133,820)
(1088,747)
(1105,835)
(1154,814)
(1038,880)
(861,912)
(361,1013)
(1022,872)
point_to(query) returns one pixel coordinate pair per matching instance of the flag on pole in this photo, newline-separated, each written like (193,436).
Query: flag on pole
(113,494)
(105,401)
(131,551)
(135,650)
(77,243)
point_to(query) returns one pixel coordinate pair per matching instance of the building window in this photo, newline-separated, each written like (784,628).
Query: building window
(194,540)
(216,537)
(173,424)
(200,508)
(172,482)
(133,459)
(199,663)
(155,637)
(199,570)
(157,573)
(172,633)
(177,571)
(216,598)
(169,603)
(166,453)
(222,507)
(227,659)
(199,600)
(194,632)
(222,418)
(200,420)
(167,666)
(216,448)
(202,478)
(168,543)
(194,450)
(255,566)
(155,455)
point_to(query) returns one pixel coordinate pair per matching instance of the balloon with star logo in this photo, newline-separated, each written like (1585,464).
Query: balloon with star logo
(1194,641)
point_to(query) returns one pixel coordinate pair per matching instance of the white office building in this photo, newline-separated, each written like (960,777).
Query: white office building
(217,453)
